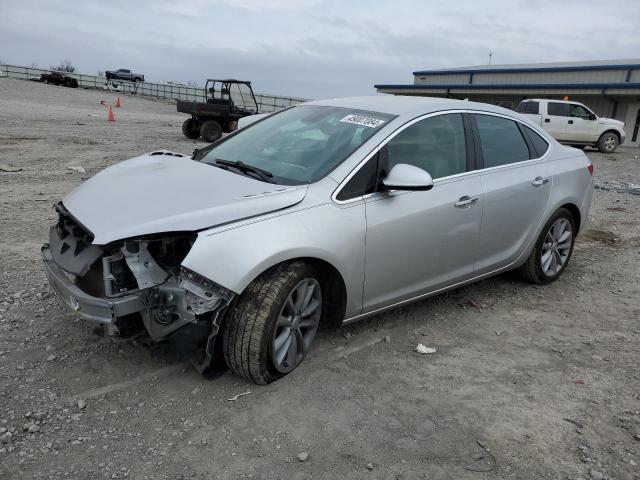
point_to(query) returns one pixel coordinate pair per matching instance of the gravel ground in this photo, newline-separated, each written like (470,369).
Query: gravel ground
(527,382)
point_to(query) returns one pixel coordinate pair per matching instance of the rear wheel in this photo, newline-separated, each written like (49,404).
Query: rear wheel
(190,128)
(552,250)
(608,142)
(211,131)
(272,325)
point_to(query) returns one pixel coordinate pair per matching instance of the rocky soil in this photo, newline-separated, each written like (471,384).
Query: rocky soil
(527,381)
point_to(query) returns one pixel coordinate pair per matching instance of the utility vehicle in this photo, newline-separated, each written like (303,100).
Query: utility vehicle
(227,101)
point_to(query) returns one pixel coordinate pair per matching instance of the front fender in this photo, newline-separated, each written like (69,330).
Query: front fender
(234,257)
(604,127)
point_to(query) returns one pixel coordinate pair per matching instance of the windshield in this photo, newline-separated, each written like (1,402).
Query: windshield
(301,144)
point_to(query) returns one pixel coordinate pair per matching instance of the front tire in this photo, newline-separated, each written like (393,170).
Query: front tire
(190,129)
(211,131)
(608,142)
(271,326)
(552,250)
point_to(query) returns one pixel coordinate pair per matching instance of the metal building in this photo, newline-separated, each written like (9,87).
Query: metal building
(611,88)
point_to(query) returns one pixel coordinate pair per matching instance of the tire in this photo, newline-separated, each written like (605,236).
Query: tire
(533,270)
(190,129)
(259,327)
(210,131)
(608,142)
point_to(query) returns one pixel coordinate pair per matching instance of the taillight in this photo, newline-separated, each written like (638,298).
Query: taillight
(590,168)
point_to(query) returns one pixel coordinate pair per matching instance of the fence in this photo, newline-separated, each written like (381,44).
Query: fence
(266,103)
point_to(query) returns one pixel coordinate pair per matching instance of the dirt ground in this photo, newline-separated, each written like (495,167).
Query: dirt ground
(528,382)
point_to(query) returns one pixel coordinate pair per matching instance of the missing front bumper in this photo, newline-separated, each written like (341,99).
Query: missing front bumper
(92,308)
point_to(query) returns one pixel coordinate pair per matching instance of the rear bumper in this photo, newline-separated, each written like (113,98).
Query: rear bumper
(586,205)
(92,308)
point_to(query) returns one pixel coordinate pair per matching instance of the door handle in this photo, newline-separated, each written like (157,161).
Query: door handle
(465,202)
(539,181)
(570,122)
(547,120)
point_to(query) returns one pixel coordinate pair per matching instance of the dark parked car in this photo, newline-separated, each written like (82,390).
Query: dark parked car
(124,74)
(57,78)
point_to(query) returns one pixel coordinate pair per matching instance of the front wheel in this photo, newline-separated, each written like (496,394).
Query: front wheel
(552,250)
(608,142)
(271,327)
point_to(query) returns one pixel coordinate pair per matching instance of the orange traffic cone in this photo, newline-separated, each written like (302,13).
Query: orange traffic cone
(112,117)
(118,103)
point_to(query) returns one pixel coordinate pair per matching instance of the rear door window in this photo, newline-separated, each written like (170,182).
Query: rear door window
(558,109)
(501,141)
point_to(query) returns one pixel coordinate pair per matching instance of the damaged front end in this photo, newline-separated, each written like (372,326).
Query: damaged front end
(137,282)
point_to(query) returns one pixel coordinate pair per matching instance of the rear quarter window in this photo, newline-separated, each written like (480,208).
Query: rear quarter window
(540,145)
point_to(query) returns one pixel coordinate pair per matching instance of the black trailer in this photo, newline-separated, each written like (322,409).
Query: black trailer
(226,102)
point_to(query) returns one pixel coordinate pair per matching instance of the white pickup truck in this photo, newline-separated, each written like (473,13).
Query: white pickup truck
(573,123)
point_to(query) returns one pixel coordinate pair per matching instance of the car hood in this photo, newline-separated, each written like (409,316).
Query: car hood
(167,192)
(611,121)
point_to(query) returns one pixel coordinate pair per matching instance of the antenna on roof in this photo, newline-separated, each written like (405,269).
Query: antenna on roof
(490,55)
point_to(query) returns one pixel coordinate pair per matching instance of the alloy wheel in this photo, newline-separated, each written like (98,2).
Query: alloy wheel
(556,247)
(609,143)
(296,325)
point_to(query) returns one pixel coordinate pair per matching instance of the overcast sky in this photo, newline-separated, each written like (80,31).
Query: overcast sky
(311,48)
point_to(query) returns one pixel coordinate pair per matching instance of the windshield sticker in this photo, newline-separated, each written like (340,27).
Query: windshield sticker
(362,120)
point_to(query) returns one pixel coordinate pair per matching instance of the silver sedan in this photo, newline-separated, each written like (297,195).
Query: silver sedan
(320,214)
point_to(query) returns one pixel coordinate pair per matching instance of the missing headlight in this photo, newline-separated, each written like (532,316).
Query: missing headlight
(203,295)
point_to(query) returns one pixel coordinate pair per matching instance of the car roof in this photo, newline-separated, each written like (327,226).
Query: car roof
(407,106)
(556,100)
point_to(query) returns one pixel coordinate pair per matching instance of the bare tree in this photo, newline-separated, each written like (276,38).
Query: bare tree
(65,66)
(33,65)
(100,73)
(191,83)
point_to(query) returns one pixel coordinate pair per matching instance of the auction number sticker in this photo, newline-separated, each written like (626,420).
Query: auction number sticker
(363,120)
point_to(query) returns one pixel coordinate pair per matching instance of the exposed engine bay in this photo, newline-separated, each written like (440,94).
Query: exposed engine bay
(173,304)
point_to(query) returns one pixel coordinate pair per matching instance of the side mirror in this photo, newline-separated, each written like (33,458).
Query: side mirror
(592,116)
(407,177)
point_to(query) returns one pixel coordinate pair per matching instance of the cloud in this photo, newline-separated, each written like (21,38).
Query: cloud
(311,48)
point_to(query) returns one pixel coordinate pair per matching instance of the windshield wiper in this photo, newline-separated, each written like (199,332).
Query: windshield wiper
(264,175)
